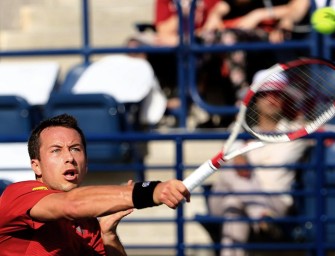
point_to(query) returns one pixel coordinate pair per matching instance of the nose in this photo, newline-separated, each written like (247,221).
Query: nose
(68,156)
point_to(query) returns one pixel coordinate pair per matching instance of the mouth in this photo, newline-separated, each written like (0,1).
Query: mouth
(71,175)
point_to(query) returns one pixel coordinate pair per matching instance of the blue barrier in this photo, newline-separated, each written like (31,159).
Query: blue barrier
(312,237)
(318,215)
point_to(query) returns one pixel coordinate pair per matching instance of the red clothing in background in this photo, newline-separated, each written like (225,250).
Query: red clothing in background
(166,8)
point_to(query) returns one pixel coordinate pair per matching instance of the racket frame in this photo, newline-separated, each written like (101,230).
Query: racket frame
(212,165)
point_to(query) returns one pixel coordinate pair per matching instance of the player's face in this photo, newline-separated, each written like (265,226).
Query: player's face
(270,104)
(62,163)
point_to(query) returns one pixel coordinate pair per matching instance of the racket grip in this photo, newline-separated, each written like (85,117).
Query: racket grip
(199,175)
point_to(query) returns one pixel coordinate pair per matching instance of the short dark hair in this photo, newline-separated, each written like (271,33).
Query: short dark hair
(63,120)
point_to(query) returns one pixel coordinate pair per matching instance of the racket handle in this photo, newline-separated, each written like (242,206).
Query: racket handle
(202,172)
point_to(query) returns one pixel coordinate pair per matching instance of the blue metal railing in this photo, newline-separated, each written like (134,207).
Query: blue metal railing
(186,53)
(320,193)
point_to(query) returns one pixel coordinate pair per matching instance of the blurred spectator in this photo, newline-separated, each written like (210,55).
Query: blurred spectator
(167,20)
(269,179)
(250,21)
(165,33)
(209,79)
(227,22)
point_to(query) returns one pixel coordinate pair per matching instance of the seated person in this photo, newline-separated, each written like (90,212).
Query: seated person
(256,179)
(254,21)
(166,24)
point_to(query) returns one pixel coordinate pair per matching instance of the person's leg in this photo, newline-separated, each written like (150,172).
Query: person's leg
(231,207)
(234,232)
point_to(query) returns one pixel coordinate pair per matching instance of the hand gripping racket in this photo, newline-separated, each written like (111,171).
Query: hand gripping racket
(307,87)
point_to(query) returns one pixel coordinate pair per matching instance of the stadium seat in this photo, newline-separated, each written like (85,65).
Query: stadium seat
(15,127)
(15,117)
(130,81)
(98,115)
(3,185)
(140,93)
(71,78)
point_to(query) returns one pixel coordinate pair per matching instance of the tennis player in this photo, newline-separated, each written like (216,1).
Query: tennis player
(54,215)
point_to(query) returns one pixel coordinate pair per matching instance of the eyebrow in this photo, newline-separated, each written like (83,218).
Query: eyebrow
(77,145)
(72,145)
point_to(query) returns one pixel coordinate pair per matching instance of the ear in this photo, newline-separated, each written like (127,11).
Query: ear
(35,165)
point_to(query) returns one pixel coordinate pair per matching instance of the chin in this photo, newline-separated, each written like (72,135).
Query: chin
(68,187)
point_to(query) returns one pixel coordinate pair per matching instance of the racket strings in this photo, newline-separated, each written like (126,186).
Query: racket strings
(318,104)
(306,97)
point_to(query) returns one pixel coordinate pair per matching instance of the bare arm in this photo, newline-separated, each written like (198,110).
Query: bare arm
(168,26)
(115,248)
(297,9)
(292,12)
(214,19)
(167,32)
(97,201)
(108,225)
(295,12)
(83,202)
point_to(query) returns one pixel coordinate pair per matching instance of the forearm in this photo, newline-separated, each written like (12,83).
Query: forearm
(262,14)
(113,246)
(298,9)
(214,19)
(168,27)
(84,202)
(295,10)
(97,201)
(167,32)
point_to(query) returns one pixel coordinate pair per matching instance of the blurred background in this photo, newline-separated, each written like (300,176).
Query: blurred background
(42,44)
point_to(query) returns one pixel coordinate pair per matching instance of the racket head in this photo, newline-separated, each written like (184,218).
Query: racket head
(304,90)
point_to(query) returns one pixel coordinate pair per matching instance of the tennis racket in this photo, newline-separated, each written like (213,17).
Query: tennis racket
(306,88)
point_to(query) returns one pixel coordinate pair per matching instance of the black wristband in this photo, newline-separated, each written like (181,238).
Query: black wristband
(143,194)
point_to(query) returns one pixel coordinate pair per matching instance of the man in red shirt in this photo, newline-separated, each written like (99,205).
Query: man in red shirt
(53,215)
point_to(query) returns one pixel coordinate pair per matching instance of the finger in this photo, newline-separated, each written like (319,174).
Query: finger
(121,214)
(187,197)
(171,204)
(185,193)
(176,197)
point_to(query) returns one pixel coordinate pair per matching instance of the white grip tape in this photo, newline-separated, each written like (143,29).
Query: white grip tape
(199,175)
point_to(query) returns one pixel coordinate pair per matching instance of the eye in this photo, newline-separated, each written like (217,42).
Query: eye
(55,150)
(76,149)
